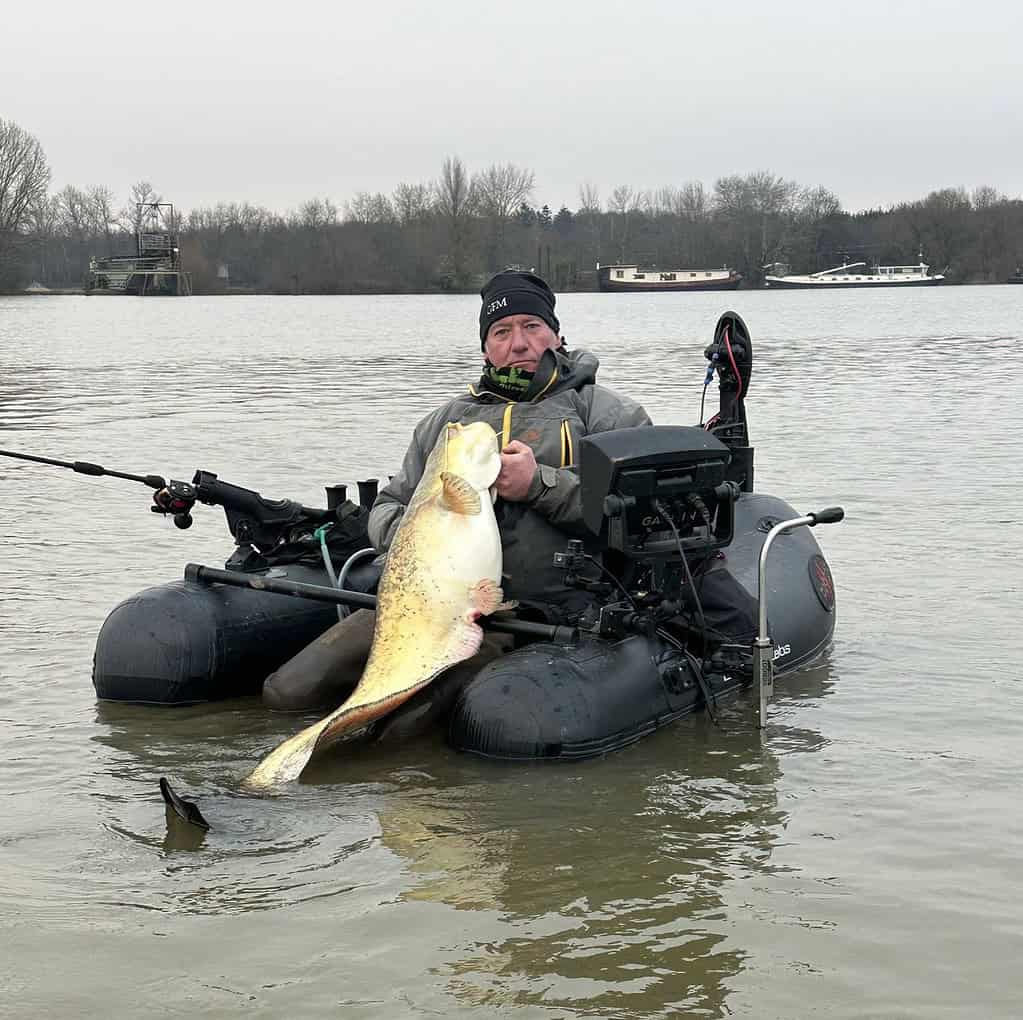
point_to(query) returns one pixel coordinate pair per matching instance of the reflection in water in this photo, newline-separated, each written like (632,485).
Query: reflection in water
(181,834)
(610,874)
(607,878)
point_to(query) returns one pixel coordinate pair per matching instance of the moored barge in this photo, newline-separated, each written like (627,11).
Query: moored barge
(635,279)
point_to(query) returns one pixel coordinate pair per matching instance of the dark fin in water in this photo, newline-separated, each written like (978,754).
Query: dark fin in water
(184,809)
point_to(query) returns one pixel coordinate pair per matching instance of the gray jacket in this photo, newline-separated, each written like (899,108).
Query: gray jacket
(552,424)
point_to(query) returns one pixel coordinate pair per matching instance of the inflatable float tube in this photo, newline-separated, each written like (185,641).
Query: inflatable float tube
(186,642)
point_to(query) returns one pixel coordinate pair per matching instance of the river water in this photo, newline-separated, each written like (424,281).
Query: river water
(860,859)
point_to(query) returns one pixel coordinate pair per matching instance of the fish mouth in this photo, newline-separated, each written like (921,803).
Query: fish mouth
(474,451)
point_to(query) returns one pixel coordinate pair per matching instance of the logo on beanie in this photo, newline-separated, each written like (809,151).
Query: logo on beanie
(494,305)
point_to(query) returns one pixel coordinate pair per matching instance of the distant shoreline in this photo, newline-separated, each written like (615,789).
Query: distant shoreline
(80,292)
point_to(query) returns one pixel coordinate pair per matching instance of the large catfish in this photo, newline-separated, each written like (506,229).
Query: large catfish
(442,572)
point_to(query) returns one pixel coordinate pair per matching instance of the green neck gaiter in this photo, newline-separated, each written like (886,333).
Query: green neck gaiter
(511,382)
(514,383)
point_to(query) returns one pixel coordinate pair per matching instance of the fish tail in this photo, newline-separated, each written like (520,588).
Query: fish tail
(286,761)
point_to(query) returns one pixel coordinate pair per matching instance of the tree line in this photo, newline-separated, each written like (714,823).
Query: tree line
(449,233)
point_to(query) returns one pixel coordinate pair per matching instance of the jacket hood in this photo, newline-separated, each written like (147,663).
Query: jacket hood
(575,369)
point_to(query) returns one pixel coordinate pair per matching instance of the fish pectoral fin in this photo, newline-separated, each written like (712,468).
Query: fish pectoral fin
(458,495)
(487,597)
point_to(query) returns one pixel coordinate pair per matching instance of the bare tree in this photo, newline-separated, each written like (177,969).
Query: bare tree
(75,212)
(42,225)
(817,204)
(454,193)
(813,212)
(502,188)
(100,205)
(24,177)
(623,205)
(455,201)
(985,197)
(317,214)
(590,212)
(369,208)
(693,201)
(411,203)
(995,237)
(694,213)
(756,211)
(623,200)
(589,199)
(142,194)
(74,225)
(665,201)
(685,209)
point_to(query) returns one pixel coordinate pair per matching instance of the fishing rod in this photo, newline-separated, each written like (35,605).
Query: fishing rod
(84,467)
(252,519)
(174,498)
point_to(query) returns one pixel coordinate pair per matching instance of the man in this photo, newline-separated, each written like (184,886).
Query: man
(541,399)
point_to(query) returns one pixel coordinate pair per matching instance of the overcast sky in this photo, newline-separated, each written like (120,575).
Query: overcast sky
(277,103)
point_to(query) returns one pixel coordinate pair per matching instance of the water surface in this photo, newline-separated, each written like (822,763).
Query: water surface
(861,858)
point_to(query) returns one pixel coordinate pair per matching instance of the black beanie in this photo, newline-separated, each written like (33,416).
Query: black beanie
(516,293)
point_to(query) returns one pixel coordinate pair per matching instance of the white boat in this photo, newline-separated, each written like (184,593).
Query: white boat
(846,275)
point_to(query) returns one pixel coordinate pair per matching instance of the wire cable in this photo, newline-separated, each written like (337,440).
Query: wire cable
(614,580)
(321,534)
(735,367)
(709,697)
(663,511)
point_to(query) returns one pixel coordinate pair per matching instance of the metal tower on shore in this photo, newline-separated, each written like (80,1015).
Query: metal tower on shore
(155,270)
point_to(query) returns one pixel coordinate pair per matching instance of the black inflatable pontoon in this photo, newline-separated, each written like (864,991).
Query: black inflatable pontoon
(671,626)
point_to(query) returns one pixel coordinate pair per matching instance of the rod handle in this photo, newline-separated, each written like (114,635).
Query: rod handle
(831,515)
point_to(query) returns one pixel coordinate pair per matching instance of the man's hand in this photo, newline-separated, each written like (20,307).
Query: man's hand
(518,467)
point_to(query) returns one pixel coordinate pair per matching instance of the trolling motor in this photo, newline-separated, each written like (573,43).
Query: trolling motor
(730,355)
(265,531)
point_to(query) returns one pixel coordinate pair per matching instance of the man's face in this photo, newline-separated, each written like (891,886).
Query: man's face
(519,340)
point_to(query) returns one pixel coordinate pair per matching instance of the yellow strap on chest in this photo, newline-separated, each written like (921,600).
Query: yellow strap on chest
(567,453)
